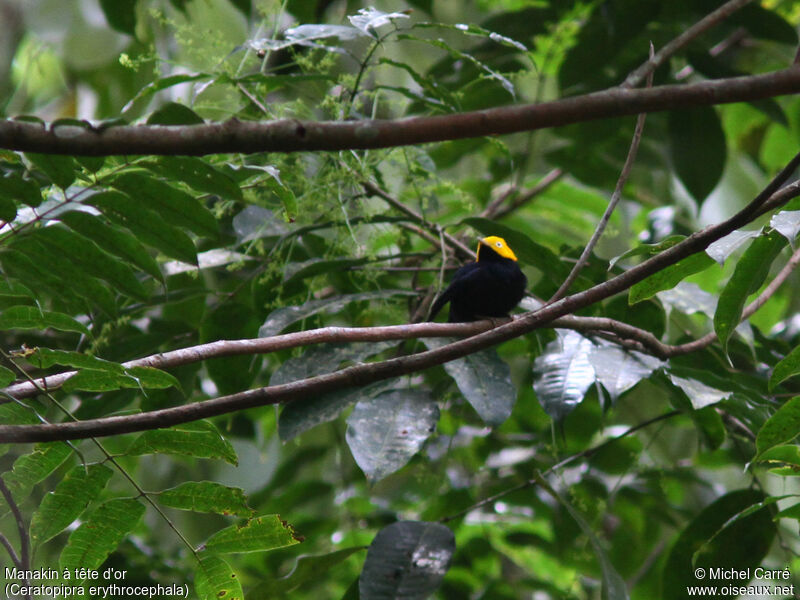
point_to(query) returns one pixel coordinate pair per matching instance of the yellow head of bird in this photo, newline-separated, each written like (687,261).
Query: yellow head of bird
(497,244)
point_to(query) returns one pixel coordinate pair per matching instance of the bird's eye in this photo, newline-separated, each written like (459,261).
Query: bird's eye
(499,244)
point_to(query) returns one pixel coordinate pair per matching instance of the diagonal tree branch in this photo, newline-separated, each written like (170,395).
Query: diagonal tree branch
(497,209)
(612,204)
(291,135)
(710,20)
(363,374)
(24,558)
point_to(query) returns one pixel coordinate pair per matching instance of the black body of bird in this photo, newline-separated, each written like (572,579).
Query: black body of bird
(489,287)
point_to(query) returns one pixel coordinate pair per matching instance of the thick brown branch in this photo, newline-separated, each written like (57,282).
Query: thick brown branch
(363,374)
(289,135)
(223,348)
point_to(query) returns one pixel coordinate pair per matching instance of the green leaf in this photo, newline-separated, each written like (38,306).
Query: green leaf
(91,163)
(783,461)
(485,381)
(173,113)
(780,428)
(669,277)
(30,469)
(65,277)
(710,425)
(164,83)
(91,259)
(750,273)
(68,500)
(477,31)
(793,512)
(787,223)
(713,68)
(231,320)
(563,374)
(30,317)
(14,188)
(120,14)
(150,377)
(615,30)
(197,174)
(45,358)
(301,415)
(59,169)
(407,559)
(100,533)
(146,225)
(486,72)
(384,432)
(258,534)
(739,546)
(215,580)
(436,95)
(107,378)
(8,209)
(614,587)
(281,318)
(207,497)
(764,23)
(699,394)
(526,250)
(325,358)
(315,267)
(6,376)
(176,207)
(307,568)
(12,413)
(111,239)
(619,370)
(648,250)
(12,289)
(17,264)
(698,149)
(199,440)
(786,368)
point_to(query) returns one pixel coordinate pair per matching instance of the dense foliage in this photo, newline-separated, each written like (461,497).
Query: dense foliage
(571,462)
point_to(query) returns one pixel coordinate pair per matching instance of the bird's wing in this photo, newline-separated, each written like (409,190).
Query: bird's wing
(443,299)
(463,278)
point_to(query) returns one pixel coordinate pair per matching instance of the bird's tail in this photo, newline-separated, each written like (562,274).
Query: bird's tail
(437,306)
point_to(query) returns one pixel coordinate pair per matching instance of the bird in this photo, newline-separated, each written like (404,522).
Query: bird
(487,288)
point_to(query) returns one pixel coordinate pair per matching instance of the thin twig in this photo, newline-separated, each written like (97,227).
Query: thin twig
(454,243)
(710,338)
(224,348)
(615,198)
(108,457)
(636,78)
(732,40)
(11,552)
(497,209)
(583,454)
(24,541)
(362,374)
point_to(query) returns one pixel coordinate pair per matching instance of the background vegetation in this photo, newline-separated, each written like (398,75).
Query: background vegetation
(581,461)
